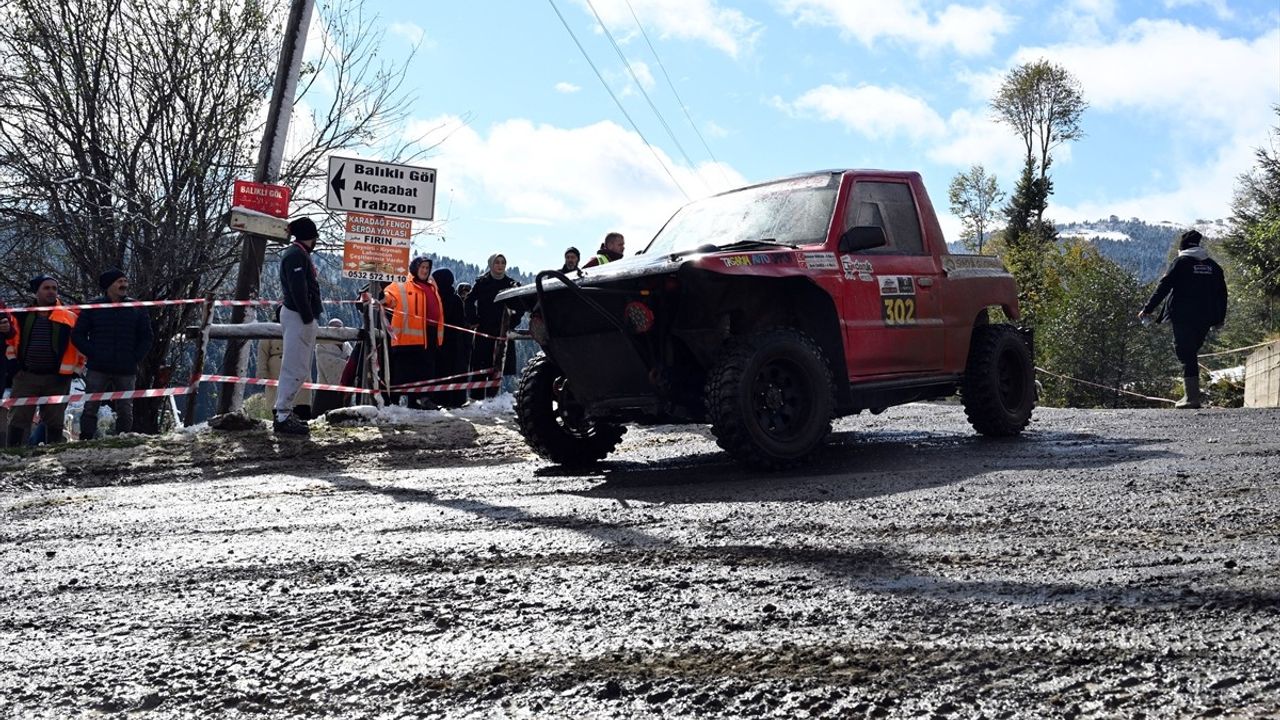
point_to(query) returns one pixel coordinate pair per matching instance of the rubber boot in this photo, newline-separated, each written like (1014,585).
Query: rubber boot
(17,437)
(1190,401)
(54,437)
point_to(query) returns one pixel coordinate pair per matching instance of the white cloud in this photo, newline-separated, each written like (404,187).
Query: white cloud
(567,88)
(409,31)
(706,21)
(641,71)
(1085,19)
(973,138)
(715,131)
(875,112)
(539,174)
(1188,78)
(966,30)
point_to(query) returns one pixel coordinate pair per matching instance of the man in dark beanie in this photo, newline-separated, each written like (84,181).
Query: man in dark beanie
(40,342)
(299,318)
(1197,292)
(114,341)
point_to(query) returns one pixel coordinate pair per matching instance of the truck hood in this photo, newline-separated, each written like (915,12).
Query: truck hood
(624,269)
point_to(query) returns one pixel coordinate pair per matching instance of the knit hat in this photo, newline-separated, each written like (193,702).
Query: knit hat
(106,279)
(303,229)
(37,281)
(416,263)
(1190,239)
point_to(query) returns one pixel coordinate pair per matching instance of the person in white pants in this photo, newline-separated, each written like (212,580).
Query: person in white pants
(299,320)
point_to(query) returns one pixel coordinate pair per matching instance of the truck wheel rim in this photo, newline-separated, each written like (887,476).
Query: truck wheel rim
(779,399)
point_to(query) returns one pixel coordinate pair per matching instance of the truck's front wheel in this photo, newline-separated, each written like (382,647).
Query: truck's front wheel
(554,423)
(999,390)
(770,398)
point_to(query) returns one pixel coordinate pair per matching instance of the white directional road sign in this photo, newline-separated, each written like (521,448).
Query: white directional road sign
(381,188)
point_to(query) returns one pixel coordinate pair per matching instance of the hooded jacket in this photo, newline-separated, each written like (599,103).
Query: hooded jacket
(300,284)
(1196,288)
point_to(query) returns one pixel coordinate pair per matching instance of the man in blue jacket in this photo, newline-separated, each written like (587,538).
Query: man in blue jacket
(1197,293)
(113,341)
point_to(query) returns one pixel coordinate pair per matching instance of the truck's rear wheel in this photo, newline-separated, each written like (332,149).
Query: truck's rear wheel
(553,423)
(999,390)
(770,399)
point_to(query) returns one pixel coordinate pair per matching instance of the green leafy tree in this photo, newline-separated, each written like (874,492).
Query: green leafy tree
(974,195)
(1043,103)
(1253,238)
(1089,331)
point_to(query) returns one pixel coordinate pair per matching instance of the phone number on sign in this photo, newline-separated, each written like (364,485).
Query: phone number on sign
(376,277)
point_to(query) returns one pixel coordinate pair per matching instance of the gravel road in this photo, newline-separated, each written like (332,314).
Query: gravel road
(1107,564)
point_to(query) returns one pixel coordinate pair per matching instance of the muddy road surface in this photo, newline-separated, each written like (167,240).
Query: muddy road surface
(1107,564)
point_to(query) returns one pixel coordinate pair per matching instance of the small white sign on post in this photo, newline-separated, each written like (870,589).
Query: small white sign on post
(381,188)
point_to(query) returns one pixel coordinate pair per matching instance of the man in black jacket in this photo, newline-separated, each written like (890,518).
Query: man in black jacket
(299,320)
(114,341)
(1197,292)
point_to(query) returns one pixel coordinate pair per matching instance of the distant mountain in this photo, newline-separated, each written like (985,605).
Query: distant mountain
(1141,247)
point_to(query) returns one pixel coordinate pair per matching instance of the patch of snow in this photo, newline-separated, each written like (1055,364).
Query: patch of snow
(500,406)
(1234,374)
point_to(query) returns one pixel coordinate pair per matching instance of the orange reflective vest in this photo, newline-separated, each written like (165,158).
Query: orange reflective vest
(72,361)
(414,307)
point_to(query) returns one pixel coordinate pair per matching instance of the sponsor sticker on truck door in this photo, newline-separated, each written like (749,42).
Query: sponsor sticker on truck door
(897,300)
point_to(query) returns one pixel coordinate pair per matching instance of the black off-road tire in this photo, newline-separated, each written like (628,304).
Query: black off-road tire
(553,424)
(770,399)
(999,386)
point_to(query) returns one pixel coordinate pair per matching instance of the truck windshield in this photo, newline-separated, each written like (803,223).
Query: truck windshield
(796,211)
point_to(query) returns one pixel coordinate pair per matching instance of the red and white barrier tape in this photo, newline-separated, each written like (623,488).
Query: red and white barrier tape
(116,395)
(421,383)
(274,383)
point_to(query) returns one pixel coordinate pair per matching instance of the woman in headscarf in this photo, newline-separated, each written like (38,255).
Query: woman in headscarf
(452,357)
(487,316)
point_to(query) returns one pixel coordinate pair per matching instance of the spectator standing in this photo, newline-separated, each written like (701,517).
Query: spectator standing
(113,341)
(571,259)
(487,317)
(416,321)
(47,359)
(299,323)
(454,354)
(1197,292)
(611,249)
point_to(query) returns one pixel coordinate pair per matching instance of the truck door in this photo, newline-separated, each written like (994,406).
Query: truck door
(891,314)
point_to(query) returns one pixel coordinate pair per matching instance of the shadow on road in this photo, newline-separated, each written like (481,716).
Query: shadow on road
(855,466)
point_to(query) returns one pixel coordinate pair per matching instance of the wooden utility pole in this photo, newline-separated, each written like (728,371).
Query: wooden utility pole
(270,155)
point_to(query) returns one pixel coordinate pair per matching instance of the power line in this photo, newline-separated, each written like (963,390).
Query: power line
(627,64)
(679,100)
(625,114)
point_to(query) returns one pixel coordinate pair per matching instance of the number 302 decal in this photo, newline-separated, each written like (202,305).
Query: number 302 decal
(899,310)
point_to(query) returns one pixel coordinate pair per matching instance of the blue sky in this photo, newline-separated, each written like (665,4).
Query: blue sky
(536,156)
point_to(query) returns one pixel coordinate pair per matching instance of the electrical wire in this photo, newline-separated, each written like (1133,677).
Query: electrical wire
(680,100)
(639,86)
(617,102)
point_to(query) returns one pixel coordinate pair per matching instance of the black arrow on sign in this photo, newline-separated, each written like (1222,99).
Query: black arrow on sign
(338,183)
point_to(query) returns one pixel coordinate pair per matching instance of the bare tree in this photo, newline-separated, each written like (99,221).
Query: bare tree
(123,124)
(974,195)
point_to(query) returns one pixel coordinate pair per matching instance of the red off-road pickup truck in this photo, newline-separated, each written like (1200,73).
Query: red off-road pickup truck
(767,311)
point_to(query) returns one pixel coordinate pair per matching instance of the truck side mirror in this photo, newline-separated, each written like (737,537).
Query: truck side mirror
(862,237)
